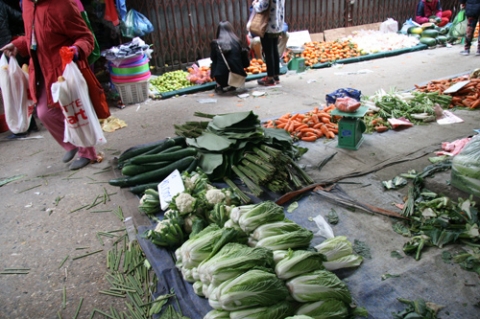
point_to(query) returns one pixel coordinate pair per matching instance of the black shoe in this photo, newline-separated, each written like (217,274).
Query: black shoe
(79,163)
(19,135)
(69,155)
(219,90)
(33,125)
(276,78)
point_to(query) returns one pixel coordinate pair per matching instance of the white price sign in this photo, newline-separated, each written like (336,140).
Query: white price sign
(169,187)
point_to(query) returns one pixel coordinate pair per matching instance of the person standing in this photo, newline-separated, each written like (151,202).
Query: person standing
(228,44)
(472,12)
(431,11)
(11,23)
(49,26)
(255,43)
(270,39)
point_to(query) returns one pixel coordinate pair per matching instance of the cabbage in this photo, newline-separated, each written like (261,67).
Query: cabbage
(325,309)
(273,229)
(296,239)
(254,288)
(335,247)
(262,213)
(277,311)
(466,168)
(299,262)
(197,248)
(343,262)
(318,285)
(217,314)
(233,260)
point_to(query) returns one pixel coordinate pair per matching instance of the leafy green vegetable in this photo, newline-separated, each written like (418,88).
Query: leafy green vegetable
(361,249)
(336,247)
(294,240)
(417,309)
(278,310)
(299,262)
(254,288)
(232,260)
(332,217)
(318,285)
(325,309)
(343,262)
(262,213)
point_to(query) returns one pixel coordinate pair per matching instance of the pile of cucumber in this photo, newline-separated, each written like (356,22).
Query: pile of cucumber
(146,165)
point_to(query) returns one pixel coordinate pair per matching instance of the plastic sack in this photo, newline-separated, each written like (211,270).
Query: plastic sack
(199,75)
(136,25)
(324,228)
(458,28)
(82,127)
(389,25)
(407,25)
(14,85)
(331,98)
(465,174)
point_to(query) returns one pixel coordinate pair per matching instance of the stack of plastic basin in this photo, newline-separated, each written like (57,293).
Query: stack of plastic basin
(131,78)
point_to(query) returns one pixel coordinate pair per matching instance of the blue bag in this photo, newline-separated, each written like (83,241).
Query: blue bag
(331,98)
(136,25)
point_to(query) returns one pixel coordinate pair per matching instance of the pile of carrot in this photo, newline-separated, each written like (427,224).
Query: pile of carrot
(308,126)
(468,96)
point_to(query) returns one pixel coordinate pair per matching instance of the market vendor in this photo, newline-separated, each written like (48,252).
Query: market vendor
(431,11)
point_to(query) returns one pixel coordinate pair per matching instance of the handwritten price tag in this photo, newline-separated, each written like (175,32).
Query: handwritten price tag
(169,187)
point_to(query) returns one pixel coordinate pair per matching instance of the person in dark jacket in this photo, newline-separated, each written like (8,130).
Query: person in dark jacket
(9,18)
(472,12)
(431,11)
(228,42)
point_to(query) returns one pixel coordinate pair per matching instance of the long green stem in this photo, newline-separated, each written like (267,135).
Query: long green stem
(243,197)
(254,188)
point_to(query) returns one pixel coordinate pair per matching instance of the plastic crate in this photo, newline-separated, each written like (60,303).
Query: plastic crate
(134,92)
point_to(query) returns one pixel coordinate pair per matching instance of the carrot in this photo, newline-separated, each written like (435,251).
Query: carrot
(475,104)
(330,134)
(312,138)
(281,125)
(317,126)
(315,118)
(300,127)
(324,130)
(325,119)
(381,128)
(285,116)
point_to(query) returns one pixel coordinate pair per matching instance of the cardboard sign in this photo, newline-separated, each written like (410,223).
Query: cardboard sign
(298,38)
(169,187)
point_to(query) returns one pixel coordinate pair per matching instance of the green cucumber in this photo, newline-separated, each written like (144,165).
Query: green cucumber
(140,189)
(192,166)
(169,156)
(153,147)
(132,169)
(153,176)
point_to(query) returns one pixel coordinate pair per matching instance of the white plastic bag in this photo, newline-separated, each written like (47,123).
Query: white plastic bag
(324,229)
(82,127)
(389,25)
(14,85)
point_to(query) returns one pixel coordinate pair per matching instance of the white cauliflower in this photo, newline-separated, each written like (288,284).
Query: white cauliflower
(185,203)
(215,196)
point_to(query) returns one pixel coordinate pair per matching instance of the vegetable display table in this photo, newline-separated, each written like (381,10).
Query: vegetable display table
(351,128)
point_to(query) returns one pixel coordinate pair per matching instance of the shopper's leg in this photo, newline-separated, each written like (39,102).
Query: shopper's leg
(269,50)
(472,23)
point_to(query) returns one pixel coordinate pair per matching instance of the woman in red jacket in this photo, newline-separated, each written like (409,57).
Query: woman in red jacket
(431,11)
(50,25)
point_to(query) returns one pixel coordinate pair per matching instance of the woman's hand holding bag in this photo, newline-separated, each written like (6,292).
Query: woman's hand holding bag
(82,127)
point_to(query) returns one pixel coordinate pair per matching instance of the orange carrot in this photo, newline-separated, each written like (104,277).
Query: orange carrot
(312,138)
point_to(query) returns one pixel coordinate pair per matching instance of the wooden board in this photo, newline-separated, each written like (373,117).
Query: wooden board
(334,34)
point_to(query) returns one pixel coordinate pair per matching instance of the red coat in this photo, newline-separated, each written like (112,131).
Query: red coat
(57,23)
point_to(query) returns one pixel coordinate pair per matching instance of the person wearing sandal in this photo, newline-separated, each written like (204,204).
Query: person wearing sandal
(270,39)
(50,25)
